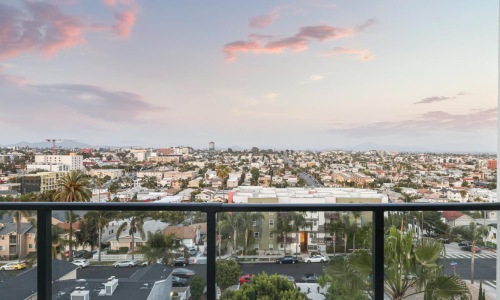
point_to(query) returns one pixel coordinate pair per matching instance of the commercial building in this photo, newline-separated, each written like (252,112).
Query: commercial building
(40,182)
(73,161)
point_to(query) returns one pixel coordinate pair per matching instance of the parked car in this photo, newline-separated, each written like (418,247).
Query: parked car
(246,278)
(444,240)
(181,261)
(288,259)
(469,248)
(80,253)
(233,257)
(143,263)
(179,282)
(13,266)
(288,277)
(193,251)
(125,263)
(81,263)
(316,258)
(309,277)
(464,243)
(183,273)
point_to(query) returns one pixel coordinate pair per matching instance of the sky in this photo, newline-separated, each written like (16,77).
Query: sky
(307,74)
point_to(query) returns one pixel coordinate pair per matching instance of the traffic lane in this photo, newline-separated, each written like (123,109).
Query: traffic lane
(104,272)
(484,268)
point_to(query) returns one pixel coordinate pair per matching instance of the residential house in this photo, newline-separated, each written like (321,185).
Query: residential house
(190,235)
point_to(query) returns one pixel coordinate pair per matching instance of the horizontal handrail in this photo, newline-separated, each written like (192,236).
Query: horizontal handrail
(245,207)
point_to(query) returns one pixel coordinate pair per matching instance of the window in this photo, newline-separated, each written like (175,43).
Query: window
(312,235)
(254,223)
(315,223)
(281,246)
(2,248)
(271,234)
(256,246)
(271,223)
(256,235)
(31,246)
(271,247)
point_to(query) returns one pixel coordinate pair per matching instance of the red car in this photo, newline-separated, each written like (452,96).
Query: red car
(246,278)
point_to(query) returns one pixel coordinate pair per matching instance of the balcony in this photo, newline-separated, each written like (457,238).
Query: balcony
(45,268)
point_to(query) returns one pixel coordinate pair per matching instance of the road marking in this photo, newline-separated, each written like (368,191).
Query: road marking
(470,255)
(492,283)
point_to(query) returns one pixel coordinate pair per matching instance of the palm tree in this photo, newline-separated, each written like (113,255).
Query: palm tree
(298,221)
(283,227)
(354,228)
(18,215)
(411,269)
(222,171)
(57,240)
(158,247)
(135,224)
(248,219)
(73,188)
(474,234)
(233,221)
(334,226)
(101,220)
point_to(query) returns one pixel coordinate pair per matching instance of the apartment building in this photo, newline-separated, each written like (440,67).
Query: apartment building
(9,242)
(112,173)
(315,235)
(73,161)
(40,182)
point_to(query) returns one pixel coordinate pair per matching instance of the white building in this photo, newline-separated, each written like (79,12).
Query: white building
(47,167)
(73,161)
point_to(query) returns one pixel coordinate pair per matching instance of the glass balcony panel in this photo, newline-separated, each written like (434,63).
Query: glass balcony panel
(296,249)
(165,255)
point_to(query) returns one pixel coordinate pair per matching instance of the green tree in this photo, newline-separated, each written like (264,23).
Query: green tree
(196,286)
(247,221)
(345,283)
(283,228)
(135,225)
(227,273)
(222,171)
(232,221)
(73,188)
(411,269)
(101,220)
(473,233)
(159,247)
(255,176)
(298,222)
(265,287)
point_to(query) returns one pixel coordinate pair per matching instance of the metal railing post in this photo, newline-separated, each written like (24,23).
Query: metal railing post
(378,254)
(44,254)
(211,255)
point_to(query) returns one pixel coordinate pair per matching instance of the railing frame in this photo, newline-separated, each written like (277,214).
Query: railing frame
(44,214)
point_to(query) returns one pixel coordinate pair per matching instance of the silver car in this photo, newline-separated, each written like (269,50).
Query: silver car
(125,263)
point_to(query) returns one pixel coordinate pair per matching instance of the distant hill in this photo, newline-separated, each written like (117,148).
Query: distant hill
(63,144)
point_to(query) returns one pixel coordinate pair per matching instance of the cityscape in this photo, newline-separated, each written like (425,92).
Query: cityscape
(301,149)
(146,242)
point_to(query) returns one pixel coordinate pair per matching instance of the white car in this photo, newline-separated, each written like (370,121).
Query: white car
(82,263)
(316,258)
(125,263)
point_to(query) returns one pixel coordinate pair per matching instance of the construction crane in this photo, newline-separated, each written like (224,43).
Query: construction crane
(53,144)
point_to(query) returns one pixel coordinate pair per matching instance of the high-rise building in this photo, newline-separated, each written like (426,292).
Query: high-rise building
(211,146)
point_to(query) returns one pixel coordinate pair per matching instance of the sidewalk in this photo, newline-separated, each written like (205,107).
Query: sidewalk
(491,293)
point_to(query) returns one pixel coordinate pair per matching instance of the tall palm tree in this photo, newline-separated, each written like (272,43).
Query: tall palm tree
(334,226)
(298,222)
(354,229)
(158,247)
(233,221)
(18,215)
(222,171)
(135,224)
(473,233)
(101,220)
(283,227)
(73,188)
(247,221)
(411,269)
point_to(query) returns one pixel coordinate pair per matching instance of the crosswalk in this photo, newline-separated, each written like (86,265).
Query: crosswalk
(469,255)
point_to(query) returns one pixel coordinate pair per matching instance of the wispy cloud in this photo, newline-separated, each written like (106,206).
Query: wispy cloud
(434,99)
(263,20)
(425,124)
(362,54)
(298,42)
(313,78)
(37,27)
(73,105)
(42,27)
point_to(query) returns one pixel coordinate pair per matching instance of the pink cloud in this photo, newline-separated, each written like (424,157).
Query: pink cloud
(124,23)
(41,27)
(298,42)
(362,54)
(264,20)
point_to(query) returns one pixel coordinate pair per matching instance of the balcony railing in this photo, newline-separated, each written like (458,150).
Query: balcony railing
(44,214)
